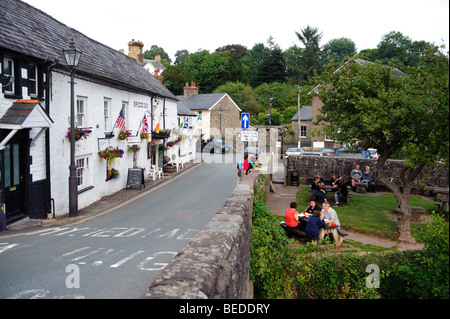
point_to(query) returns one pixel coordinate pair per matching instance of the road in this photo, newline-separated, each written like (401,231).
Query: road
(117,254)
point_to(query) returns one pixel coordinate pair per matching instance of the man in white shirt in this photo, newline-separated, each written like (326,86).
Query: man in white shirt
(330,214)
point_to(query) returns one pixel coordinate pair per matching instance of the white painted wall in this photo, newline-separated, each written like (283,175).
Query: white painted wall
(138,105)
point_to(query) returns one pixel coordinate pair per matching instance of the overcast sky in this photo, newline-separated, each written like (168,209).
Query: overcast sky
(207,24)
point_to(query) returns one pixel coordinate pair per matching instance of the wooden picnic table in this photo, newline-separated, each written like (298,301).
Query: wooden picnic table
(337,235)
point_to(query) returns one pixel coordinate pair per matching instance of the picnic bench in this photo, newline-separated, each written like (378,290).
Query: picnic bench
(292,232)
(338,235)
(442,205)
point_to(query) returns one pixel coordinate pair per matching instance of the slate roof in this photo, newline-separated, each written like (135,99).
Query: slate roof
(25,29)
(305,114)
(156,64)
(202,102)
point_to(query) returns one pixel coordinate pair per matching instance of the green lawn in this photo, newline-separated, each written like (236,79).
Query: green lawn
(368,214)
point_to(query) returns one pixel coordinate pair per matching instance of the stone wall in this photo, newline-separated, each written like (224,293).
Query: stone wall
(215,263)
(309,166)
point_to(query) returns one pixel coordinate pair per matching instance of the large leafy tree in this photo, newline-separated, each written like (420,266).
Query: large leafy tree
(338,49)
(371,105)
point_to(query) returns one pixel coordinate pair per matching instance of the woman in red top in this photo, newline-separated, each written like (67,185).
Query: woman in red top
(292,216)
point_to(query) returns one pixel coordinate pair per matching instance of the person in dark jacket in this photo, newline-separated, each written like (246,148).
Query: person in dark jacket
(315,222)
(342,191)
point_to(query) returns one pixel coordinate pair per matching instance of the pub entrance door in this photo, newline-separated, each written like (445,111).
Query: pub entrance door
(13,173)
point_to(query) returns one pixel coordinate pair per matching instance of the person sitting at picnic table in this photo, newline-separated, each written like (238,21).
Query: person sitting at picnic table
(356,176)
(317,191)
(334,183)
(315,222)
(292,217)
(342,191)
(313,207)
(330,215)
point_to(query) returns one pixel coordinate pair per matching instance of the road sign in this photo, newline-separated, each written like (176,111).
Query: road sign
(249,136)
(245,120)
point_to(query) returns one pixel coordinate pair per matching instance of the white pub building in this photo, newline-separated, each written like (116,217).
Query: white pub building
(35,108)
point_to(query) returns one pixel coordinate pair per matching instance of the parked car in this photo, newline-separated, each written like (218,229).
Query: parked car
(312,154)
(253,153)
(293,151)
(346,153)
(373,153)
(216,145)
(328,151)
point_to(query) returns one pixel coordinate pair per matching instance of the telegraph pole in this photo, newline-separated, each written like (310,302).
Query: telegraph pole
(298,119)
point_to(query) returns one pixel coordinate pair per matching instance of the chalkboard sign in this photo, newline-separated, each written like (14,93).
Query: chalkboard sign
(135,177)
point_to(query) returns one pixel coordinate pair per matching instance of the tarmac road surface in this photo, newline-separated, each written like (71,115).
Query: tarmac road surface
(119,253)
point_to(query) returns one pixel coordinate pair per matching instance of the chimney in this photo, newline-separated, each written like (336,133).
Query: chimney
(158,76)
(135,51)
(190,90)
(158,58)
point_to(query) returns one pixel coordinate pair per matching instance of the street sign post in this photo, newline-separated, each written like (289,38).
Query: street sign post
(249,136)
(245,120)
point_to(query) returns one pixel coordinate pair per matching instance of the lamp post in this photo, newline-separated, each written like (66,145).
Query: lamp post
(72,56)
(220,119)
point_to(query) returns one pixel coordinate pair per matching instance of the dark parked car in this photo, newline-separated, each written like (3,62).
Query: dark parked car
(216,145)
(328,151)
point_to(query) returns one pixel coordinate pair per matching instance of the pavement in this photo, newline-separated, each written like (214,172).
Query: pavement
(103,205)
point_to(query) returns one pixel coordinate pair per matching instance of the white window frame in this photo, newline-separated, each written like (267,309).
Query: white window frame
(107,113)
(84,176)
(125,113)
(80,112)
(303,131)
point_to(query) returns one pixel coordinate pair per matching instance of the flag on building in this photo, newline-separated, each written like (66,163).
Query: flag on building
(198,122)
(144,124)
(157,126)
(120,122)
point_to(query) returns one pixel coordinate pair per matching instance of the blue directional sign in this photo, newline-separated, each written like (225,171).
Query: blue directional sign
(245,120)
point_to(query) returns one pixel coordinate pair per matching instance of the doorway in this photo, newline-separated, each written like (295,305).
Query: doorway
(13,176)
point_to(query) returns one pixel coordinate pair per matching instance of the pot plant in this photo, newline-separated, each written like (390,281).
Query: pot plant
(79,133)
(123,135)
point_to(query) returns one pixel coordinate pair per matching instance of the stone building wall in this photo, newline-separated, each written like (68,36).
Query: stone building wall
(309,166)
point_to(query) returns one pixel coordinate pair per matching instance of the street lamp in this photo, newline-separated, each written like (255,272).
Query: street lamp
(72,56)
(220,119)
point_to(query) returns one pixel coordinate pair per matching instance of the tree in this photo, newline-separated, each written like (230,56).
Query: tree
(154,51)
(244,97)
(310,37)
(370,105)
(338,49)
(175,77)
(237,51)
(272,67)
(180,55)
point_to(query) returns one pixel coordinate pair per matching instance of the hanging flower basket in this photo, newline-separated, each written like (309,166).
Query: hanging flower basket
(112,173)
(123,135)
(145,136)
(133,148)
(162,134)
(110,153)
(79,134)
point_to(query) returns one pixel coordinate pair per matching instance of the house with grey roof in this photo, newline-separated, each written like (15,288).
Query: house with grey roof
(35,114)
(305,126)
(216,111)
